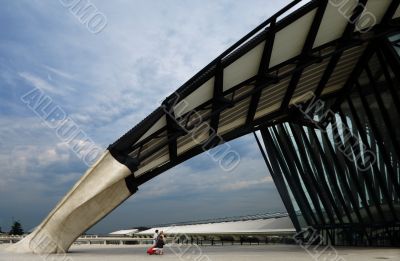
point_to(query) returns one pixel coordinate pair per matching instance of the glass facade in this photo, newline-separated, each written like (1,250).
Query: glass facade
(337,165)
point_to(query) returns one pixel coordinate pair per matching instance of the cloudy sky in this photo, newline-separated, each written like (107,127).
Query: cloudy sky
(107,82)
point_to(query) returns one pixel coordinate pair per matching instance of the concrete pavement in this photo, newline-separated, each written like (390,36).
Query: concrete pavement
(215,253)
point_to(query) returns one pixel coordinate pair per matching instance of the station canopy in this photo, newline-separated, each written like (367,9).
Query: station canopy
(309,47)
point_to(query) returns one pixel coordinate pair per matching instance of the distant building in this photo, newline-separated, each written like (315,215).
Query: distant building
(230,229)
(127,232)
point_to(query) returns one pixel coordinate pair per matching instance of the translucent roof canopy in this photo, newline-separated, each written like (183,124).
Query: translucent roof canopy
(293,56)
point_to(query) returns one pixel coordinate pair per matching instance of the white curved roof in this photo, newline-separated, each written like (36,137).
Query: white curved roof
(127,232)
(260,226)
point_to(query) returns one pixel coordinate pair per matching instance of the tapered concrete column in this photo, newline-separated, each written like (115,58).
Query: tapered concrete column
(96,194)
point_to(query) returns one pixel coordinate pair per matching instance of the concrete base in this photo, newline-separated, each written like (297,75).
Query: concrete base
(96,194)
(216,253)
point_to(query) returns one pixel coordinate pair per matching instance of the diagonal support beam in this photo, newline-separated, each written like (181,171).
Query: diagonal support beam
(262,71)
(346,38)
(305,54)
(219,101)
(172,145)
(277,176)
(218,97)
(390,12)
(174,130)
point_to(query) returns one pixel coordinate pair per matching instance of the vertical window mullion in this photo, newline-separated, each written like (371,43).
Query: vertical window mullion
(379,176)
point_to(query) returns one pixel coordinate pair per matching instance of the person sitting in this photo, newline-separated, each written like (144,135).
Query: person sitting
(159,248)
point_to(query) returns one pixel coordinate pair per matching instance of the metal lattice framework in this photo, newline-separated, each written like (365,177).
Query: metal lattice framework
(317,48)
(341,170)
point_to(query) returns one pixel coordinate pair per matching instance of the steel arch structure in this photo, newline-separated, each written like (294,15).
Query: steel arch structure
(318,48)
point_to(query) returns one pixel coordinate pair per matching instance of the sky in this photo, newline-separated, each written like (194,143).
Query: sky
(107,75)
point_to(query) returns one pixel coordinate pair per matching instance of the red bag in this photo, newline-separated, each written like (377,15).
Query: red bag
(151,251)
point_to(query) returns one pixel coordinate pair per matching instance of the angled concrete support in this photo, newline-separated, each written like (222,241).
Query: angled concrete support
(96,194)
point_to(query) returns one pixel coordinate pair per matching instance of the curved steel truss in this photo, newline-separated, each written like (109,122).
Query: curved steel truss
(316,49)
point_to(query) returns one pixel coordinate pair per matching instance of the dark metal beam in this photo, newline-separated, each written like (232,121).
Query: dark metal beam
(305,54)
(364,173)
(345,39)
(351,169)
(390,12)
(290,174)
(125,143)
(379,140)
(355,74)
(388,80)
(384,112)
(392,57)
(340,171)
(172,137)
(279,182)
(321,173)
(218,98)
(334,179)
(262,71)
(131,184)
(312,187)
(380,177)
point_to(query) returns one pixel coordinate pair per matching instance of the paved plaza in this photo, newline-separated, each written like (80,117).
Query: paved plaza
(215,253)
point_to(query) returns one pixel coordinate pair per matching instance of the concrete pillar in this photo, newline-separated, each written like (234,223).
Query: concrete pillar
(97,193)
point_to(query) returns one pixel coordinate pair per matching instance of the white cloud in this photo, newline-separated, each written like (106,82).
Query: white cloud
(245,184)
(250,173)
(39,83)
(27,148)
(59,72)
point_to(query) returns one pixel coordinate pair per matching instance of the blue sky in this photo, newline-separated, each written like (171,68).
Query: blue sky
(107,82)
